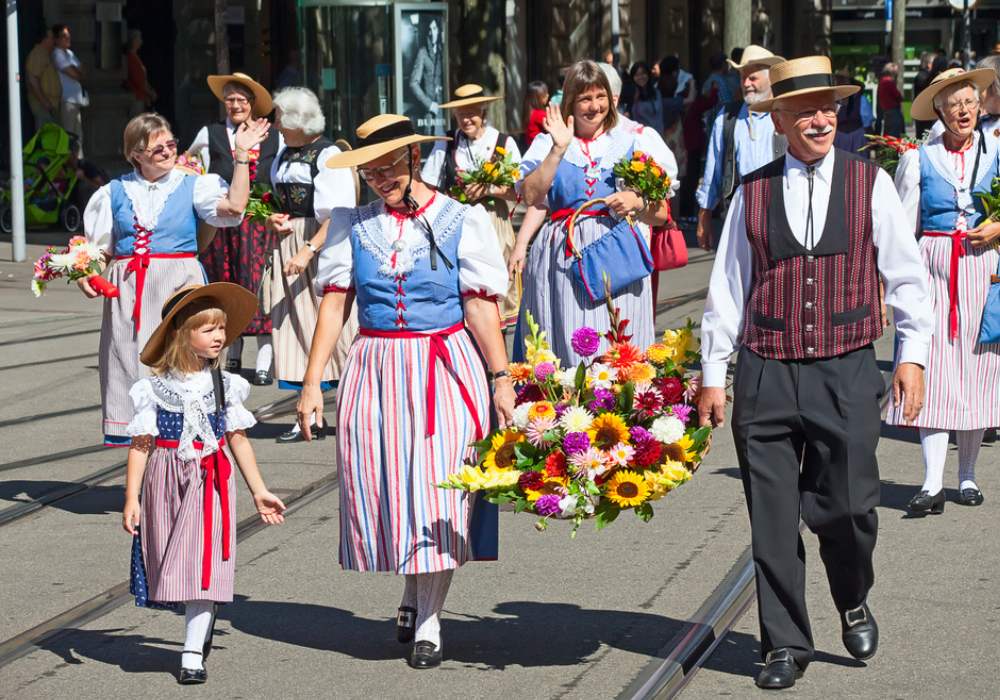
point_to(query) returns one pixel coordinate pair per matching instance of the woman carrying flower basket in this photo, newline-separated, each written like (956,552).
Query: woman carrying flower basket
(480,165)
(572,165)
(240,254)
(941,184)
(426,272)
(147,222)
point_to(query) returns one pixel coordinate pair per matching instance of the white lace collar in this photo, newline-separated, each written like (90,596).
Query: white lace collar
(608,148)
(193,395)
(148,197)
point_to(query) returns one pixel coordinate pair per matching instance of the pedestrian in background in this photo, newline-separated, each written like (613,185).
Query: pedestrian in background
(677,91)
(647,103)
(890,102)
(920,82)
(44,86)
(536,99)
(854,116)
(74,97)
(137,82)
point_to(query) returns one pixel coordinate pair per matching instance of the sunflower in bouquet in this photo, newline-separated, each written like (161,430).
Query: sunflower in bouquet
(499,171)
(639,172)
(615,433)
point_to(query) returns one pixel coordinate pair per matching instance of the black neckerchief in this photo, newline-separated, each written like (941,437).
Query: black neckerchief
(414,208)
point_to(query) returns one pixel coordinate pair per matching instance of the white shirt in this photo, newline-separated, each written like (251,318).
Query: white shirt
(199,147)
(468,154)
(332,187)
(899,263)
(148,199)
(72,91)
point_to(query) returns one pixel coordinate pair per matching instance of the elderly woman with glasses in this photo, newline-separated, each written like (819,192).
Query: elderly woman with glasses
(240,254)
(305,193)
(146,222)
(938,184)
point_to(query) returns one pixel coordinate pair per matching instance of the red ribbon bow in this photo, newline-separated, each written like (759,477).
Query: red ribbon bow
(957,252)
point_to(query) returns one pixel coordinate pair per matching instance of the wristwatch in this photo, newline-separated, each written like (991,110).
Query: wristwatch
(311,247)
(501,373)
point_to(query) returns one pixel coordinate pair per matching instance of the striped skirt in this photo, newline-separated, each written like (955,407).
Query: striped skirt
(558,301)
(172,524)
(295,310)
(120,343)
(500,218)
(393,517)
(962,377)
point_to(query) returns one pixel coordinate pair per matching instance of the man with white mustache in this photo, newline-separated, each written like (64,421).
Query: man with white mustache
(741,141)
(796,280)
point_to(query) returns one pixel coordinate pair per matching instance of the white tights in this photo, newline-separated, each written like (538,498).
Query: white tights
(197,620)
(265,352)
(426,593)
(934,444)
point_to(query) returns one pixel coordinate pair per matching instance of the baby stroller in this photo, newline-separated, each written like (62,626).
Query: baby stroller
(50,177)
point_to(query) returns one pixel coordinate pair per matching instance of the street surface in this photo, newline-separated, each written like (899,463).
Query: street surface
(554,618)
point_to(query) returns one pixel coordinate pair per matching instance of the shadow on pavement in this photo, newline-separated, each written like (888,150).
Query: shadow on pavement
(96,500)
(901,433)
(739,654)
(132,653)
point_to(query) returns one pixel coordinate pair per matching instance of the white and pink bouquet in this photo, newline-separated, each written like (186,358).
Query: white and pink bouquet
(80,259)
(190,164)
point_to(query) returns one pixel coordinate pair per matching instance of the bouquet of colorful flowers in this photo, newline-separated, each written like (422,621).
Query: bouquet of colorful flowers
(889,149)
(80,259)
(501,172)
(261,203)
(616,433)
(991,201)
(190,164)
(642,174)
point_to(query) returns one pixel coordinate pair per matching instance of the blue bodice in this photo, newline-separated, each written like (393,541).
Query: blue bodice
(939,207)
(573,184)
(169,424)
(417,299)
(176,228)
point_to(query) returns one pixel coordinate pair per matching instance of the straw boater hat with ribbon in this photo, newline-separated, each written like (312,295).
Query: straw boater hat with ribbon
(803,76)
(378,136)
(467,95)
(239,303)
(262,104)
(923,105)
(754,55)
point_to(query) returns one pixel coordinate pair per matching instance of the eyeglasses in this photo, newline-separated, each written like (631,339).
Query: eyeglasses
(829,111)
(160,150)
(969,105)
(369,174)
(236,101)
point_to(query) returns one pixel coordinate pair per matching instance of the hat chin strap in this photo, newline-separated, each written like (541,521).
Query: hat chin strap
(414,207)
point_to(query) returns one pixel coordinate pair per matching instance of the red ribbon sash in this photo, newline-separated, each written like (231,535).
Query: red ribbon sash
(138,263)
(217,470)
(957,252)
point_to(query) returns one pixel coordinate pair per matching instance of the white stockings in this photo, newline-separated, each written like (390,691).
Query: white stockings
(265,353)
(197,620)
(934,444)
(431,590)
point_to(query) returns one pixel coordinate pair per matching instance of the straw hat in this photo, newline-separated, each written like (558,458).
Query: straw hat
(803,76)
(469,94)
(754,55)
(262,104)
(378,136)
(923,105)
(239,303)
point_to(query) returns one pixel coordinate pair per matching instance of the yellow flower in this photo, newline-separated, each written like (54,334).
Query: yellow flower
(489,167)
(681,451)
(676,472)
(608,430)
(516,174)
(501,453)
(520,372)
(539,352)
(626,489)
(658,484)
(637,166)
(472,478)
(637,155)
(501,150)
(680,341)
(640,372)
(658,353)
(656,170)
(542,409)
(552,485)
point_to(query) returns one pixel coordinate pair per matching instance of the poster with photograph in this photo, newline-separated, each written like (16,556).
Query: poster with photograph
(422,64)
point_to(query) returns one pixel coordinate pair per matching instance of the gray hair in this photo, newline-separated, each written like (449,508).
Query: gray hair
(614,79)
(994,63)
(300,110)
(951,90)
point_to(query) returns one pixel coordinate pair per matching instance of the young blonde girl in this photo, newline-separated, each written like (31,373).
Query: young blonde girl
(187,432)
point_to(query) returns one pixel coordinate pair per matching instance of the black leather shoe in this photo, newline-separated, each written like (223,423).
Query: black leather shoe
(190,676)
(425,655)
(780,670)
(207,649)
(234,366)
(262,378)
(406,624)
(859,632)
(970,497)
(297,436)
(924,503)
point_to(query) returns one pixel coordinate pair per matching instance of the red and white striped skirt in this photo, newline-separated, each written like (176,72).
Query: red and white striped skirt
(962,377)
(392,515)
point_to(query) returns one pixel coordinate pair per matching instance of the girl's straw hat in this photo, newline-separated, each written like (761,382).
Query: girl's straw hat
(239,303)
(469,94)
(923,105)
(262,104)
(803,76)
(378,136)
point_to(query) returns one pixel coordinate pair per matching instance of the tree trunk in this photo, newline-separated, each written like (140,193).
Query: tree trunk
(221,45)
(737,24)
(899,37)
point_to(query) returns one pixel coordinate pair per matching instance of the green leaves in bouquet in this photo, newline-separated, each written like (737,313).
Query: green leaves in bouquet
(645,511)
(261,203)
(699,437)
(580,381)
(605,514)
(626,398)
(644,175)
(991,200)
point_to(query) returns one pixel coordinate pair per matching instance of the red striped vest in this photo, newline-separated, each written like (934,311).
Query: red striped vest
(812,304)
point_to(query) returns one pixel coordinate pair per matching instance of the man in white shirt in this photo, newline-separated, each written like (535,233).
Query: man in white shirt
(74,97)
(796,282)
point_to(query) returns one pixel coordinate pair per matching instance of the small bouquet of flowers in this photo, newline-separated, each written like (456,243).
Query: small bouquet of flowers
(613,434)
(991,200)
(80,259)
(642,174)
(889,149)
(189,164)
(501,172)
(261,203)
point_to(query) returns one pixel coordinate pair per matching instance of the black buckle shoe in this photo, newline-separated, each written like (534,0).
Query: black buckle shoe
(192,676)
(970,497)
(406,624)
(262,377)
(298,436)
(207,648)
(859,632)
(234,366)
(425,655)
(924,503)
(781,670)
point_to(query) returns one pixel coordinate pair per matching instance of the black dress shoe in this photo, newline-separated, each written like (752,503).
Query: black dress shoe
(298,436)
(970,497)
(207,648)
(191,676)
(781,670)
(262,378)
(924,503)
(859,632)
(425,655)
(406,624)
(234,366)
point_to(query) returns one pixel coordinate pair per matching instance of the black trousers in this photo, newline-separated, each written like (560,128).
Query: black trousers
(806,433)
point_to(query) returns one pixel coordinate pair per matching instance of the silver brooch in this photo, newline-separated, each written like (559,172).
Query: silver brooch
(398,245)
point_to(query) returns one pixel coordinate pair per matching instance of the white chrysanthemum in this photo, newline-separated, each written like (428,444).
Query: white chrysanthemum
(576,420)
(567,378)
(667,429)
(521,415)
(601,376)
